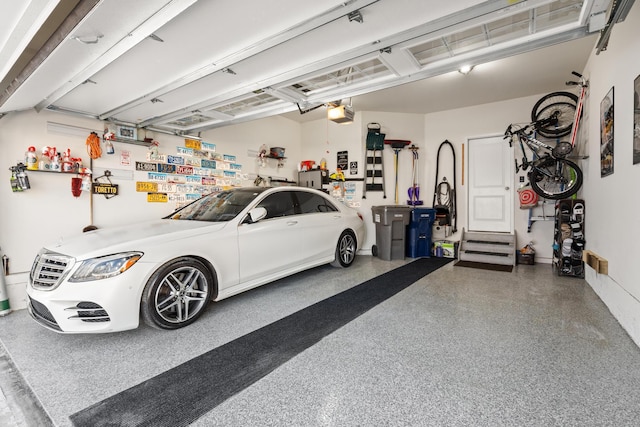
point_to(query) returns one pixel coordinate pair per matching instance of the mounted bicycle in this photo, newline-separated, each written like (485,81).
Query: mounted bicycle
(556,114)
(552,176)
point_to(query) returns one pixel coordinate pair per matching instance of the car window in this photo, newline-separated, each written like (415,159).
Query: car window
(222,206)
(314,203)
(278,204)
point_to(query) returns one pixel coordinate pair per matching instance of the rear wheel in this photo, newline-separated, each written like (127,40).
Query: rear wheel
(554,114)
(176,294)
(345,250)
(556,179)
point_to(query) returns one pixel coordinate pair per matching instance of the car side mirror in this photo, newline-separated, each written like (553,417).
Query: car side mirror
(256,214)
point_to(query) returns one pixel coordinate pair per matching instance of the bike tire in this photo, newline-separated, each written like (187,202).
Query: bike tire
(563,103)
(556,179)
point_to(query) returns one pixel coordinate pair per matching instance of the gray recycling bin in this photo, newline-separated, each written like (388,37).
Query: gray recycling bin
(391,229)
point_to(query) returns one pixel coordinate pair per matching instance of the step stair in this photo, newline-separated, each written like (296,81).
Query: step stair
(488,248)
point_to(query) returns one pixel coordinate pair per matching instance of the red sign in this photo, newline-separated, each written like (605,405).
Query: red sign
(184,170)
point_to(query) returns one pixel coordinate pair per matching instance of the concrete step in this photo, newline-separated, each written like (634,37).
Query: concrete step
(477,236)
(498,248)
(487,258)
(490,248)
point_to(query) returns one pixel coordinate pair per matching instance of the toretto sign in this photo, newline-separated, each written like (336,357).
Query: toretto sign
(104,188)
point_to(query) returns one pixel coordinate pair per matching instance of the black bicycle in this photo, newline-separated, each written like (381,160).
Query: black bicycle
(552,176)
(555,115)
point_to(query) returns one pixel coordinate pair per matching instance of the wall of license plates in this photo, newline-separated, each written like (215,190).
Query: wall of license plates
(194,170)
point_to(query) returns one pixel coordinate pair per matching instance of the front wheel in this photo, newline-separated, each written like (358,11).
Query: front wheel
(556,179)
(554,114)
(345,250)
(176,294)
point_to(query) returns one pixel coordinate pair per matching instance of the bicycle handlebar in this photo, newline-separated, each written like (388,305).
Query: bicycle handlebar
(508,134)
(578,75)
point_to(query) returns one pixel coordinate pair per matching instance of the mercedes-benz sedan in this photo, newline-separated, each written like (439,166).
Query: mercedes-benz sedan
(166,271)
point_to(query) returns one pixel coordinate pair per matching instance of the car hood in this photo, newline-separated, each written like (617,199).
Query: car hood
(135,237)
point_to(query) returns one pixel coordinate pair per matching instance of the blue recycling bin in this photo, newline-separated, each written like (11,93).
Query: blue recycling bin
(419,232)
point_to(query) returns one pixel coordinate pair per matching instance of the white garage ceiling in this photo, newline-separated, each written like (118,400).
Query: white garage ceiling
(187,65)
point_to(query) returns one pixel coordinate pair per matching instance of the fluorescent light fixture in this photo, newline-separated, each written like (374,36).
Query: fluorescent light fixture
(340,114)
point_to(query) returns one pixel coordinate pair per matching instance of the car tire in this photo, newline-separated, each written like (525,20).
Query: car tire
(345,250)
(176,294)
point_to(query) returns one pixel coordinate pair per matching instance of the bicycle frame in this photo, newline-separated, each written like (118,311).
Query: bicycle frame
(576,120)
(524,136)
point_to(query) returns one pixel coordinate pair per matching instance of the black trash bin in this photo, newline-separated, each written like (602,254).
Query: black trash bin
(391,224)
(419,232)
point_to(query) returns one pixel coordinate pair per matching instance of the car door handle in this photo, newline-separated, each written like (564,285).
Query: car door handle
(292,222)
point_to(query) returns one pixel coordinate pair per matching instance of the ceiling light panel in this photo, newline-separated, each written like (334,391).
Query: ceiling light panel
(366,70)
(244,105)
(247,104)
(500,30)
(557,14)
(185,122)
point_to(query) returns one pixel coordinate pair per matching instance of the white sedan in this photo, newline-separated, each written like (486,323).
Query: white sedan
(166,271)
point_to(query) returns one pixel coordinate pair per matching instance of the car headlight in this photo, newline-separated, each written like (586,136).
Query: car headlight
(105,267)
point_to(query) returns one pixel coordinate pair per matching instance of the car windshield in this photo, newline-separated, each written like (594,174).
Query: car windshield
(223,206)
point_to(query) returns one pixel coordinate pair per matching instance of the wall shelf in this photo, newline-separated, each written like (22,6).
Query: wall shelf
(130,141)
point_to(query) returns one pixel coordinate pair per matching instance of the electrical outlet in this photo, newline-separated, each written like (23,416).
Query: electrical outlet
(522,179)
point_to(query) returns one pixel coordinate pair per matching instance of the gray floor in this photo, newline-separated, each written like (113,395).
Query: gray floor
(461,347)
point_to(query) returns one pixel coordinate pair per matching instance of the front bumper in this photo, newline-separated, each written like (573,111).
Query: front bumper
(100,306)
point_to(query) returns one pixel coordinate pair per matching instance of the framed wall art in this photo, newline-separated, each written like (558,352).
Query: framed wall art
(636,120)
(606,134)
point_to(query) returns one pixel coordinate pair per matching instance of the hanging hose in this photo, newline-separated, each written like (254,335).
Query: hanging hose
(93,146)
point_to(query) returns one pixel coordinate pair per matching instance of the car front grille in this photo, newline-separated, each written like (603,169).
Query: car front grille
(42,315)
(48,270)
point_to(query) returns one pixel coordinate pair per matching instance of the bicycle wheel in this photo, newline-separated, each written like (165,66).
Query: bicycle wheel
(562,106)
(556,178)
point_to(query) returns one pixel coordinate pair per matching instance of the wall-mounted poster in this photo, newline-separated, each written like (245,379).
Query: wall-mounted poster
(606,134)
(636,120)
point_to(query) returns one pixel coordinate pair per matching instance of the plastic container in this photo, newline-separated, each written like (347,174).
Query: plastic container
(307,165)
(277,152)
(30,159)
(391,223)
(419,232)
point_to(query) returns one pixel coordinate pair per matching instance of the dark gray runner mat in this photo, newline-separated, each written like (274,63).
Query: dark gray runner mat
(183,394)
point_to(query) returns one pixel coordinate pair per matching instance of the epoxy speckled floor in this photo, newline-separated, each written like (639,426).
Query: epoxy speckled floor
(460,347)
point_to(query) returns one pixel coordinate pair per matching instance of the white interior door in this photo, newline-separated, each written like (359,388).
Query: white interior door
(491,175)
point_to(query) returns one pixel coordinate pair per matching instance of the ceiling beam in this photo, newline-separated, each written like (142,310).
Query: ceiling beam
(60,22)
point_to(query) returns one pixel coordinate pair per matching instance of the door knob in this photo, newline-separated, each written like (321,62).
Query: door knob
(506,188)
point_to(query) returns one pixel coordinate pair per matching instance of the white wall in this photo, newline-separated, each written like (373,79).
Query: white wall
(324,139)
(612,228)
(458,126)
(321,138)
